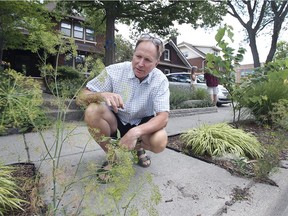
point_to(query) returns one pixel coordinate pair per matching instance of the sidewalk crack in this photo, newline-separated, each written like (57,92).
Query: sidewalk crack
(238,194)
(26,148)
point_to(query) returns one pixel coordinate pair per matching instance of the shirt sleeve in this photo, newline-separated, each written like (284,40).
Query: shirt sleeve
(101,83)
(162,98)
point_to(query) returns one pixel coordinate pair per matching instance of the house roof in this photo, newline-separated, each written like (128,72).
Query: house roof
(180,55)
(51,6)
(198,48)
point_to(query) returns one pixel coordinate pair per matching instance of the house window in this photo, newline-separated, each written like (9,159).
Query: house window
(185,54)
(246,72)
(89,34)
(167,54)
(79,61)
(66,28)
(78,31)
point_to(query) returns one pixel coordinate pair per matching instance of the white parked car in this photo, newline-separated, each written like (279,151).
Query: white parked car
(184,79)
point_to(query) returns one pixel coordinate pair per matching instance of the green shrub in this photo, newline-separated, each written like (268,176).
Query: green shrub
(220,139)
(279,114)
(261,96)
(69,80)
(67,72)
(67,88)
(179,94)
(20,103)
(267,163)
(8,191)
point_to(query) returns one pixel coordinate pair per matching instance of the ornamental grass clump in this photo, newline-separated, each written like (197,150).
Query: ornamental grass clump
(221,139)
(8,191)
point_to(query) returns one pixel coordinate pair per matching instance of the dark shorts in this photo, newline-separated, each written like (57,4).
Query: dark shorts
(123,129)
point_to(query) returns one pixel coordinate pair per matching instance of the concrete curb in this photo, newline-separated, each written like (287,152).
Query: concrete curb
(191,111)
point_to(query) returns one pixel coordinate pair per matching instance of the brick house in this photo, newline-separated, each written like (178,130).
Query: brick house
(196,54)
(172,59)
(87,40)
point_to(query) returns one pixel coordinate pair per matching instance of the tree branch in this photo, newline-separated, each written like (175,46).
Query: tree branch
(261,16)
(235,14)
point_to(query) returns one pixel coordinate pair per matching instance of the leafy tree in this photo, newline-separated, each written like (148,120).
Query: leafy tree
(260,15)
(223,66)
(281,51)
(15,22)
(124,49)
(154,16)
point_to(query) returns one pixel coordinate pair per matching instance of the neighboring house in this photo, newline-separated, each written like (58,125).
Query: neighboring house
(172,59)
(87,41)
(244,71)
(196,54)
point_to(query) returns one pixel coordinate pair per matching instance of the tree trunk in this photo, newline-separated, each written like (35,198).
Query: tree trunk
(278,21)
(273,45)
(110,40)
(254,50)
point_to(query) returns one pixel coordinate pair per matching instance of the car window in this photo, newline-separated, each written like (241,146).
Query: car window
(200,79)
(184,78)
(172,78)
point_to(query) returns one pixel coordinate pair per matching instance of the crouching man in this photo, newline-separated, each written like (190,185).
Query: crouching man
(135,101)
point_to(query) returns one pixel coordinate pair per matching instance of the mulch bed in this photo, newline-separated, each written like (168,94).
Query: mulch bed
(26,178)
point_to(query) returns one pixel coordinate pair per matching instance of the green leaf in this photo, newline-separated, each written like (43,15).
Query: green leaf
(220,34)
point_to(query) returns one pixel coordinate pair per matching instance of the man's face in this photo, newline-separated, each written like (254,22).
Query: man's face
(144,59)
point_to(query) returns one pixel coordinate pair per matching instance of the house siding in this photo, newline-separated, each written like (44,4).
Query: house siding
(198,62)
(26,62)
(176,63)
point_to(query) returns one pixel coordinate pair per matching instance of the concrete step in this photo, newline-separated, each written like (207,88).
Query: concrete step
(52,102)
(53,106)
(70,115)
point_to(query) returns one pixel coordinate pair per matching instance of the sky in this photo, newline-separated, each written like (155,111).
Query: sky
(206,37)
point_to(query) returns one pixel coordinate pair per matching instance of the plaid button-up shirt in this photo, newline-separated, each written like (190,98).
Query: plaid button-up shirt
(141,99)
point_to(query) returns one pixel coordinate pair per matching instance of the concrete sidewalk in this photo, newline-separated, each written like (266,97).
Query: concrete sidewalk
(188,186)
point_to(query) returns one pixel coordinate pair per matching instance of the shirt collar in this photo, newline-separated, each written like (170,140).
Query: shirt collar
(146,80)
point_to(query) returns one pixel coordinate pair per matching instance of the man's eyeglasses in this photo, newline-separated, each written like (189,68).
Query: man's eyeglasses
(155,40)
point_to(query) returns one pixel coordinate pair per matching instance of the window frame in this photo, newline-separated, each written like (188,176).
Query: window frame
(166,55)
(91,35)
(63,28)
(78,31)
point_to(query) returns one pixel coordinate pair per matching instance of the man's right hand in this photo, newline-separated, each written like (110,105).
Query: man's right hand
(114,100)
(130,138)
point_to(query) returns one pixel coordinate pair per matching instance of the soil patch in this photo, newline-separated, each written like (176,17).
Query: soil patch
(27,179)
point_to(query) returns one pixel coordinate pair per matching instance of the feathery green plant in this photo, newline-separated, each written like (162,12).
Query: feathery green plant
(20,101)
(220,139)
(120,196)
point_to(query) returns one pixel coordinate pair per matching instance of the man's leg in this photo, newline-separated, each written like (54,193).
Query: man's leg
(101,123)
(210,92)
(155,142)
(214,99)
(215,92)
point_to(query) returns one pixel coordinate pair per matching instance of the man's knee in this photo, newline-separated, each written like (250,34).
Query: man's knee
(158,141)
(161,146)
(92,112)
